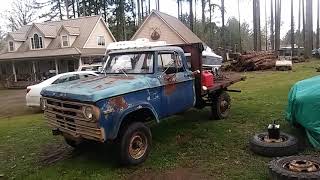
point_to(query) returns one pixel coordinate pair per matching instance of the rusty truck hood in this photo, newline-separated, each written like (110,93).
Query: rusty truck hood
(94,89)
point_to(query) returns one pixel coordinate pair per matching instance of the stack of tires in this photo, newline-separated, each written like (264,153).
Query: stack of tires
(285,166)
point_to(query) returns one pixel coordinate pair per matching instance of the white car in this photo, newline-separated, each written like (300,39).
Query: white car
(33,92)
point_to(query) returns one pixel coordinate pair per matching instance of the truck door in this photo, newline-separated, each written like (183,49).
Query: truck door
(177,84)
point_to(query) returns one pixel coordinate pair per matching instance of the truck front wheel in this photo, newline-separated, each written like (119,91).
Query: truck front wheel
(135,143)
(221,103)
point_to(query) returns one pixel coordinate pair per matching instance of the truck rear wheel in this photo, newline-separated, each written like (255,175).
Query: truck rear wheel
(135,144)
(221,104)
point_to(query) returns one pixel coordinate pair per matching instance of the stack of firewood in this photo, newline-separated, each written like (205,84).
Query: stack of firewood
(253,61)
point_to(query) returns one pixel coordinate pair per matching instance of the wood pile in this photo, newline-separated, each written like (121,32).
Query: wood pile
(253,61)
(298,59)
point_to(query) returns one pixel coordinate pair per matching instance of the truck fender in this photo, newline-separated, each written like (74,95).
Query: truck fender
(133,109)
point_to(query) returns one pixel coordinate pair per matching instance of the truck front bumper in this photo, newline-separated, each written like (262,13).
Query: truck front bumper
(67,117)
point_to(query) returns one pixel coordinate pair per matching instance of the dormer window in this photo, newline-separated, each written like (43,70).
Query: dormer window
(36,42)
(101,41)
(11,46)
(65,41)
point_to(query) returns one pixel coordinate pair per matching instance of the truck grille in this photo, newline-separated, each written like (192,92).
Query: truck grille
(68,117)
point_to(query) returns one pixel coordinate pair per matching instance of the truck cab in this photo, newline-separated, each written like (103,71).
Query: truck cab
(137,85)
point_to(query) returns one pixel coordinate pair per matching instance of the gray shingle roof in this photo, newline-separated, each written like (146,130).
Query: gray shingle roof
(72,30)
(52,53)
(82,27)
(18,36)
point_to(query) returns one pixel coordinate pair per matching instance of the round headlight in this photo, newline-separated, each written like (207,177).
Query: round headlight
(88,112)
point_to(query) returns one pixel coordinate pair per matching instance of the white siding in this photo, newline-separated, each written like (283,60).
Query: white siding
(100,30)
(166,33)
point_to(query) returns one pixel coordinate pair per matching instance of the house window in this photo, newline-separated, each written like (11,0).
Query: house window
(101,41)
(65,41)
(11,46)
(36,42)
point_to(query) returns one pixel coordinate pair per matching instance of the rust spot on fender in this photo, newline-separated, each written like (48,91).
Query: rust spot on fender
(118,103)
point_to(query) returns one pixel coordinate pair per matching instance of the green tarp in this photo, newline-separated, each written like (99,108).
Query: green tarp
(304,108)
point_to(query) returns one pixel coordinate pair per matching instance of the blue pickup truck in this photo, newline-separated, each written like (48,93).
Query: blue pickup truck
(136,86)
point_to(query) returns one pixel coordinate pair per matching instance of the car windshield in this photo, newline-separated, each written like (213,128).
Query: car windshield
(130,63)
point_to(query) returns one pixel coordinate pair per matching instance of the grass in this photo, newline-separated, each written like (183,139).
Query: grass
(218,149)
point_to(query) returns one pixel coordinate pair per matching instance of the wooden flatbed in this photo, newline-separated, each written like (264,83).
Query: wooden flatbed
(226,80)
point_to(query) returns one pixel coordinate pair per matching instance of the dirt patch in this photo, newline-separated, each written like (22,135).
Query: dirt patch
(52,153)
(176,174)
(13,103)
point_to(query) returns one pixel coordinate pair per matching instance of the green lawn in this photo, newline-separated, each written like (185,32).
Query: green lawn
(215,149)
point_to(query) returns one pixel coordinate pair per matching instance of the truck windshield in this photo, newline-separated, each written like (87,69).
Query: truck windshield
(130,63)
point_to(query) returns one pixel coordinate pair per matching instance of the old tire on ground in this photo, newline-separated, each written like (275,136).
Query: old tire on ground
(295,167)
(287,145)
(135,143)
(221,103)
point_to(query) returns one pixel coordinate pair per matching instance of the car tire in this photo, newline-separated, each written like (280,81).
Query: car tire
(289,168)
(221,104)
(288,145)
(135,144)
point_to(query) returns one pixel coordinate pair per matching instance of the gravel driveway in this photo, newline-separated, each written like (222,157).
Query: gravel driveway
(12,103)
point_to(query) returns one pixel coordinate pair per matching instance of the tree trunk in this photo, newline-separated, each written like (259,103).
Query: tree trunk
(191,15)
(73,9)
(304,25)
(84,8)
(96,7)
(178,2)
(78,8)
(317,38)
(277,24)
(222,31)
(139,12)
(105,10)
(149,6)
(67,7)
(142,10)
(181,3)
(203,7)
(299,28)
(240,43)
(271,27)
(266,21)
(210,12)
(258,25)
(90,8)
(60,10)
(292,29)
(309,29)
(255,28)
(195,13)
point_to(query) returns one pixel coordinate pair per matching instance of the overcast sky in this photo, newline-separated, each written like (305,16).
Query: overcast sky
(170,7)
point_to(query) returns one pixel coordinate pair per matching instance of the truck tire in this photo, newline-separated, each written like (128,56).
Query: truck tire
(221,103)
(295,167)
(135,144)
(287,145)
